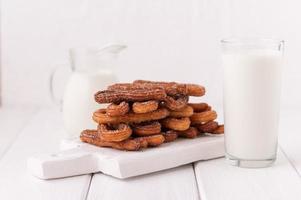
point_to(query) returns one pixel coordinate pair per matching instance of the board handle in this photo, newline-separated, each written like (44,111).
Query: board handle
(63,164)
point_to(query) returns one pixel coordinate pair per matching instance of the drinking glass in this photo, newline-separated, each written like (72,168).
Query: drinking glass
(252,81)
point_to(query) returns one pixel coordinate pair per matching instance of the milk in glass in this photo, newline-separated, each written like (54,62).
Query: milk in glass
(252,78)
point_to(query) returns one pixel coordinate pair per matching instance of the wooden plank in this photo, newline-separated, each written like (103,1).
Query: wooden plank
(219,181)
(12,120)
(290,137)
(178,183)
(40,135)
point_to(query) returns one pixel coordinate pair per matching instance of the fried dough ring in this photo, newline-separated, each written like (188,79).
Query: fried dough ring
(146,129)
(219,130)
(143,143)
(110,96)
(178,124)
(145,107)
(209,108)
(91,137)
(208,127)
(152,140)
(101,117)
(173,88)
(192,132)
(199,107)
(203,117)
(109,134)
(187,111)
(170,136)
(176,103)
(118,109)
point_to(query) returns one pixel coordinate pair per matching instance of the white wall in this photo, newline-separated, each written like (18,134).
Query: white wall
(167,39)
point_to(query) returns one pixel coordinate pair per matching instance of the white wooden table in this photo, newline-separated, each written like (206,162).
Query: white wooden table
(25,131)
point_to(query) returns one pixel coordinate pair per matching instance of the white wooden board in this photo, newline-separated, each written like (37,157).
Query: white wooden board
(40,135)
(84,158)
(219,181)
(175,184)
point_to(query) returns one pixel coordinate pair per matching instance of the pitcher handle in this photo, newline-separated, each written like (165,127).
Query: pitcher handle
(56,100)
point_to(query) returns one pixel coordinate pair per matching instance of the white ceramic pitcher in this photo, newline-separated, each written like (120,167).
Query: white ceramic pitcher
(92,70)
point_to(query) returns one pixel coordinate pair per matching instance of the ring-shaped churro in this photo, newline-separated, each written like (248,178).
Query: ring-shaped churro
(118,109)
(146,129)
(208,127)
(203,117)
(187,111)
(143,143)
(152,140)
(219,130)
(199,107)
(178,124)
(192,132)
(145,107)
(91,137)
(116,133)
(170,136)
(176,103)
(101,117)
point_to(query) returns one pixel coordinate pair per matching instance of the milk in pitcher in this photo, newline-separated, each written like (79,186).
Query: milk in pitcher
(79,103)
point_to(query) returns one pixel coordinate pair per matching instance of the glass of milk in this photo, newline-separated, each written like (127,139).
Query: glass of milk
(252,82)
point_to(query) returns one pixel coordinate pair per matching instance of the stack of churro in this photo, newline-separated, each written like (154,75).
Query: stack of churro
(146,114)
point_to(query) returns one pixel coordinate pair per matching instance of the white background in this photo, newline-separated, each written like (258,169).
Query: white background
(168,40)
